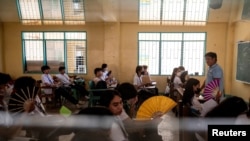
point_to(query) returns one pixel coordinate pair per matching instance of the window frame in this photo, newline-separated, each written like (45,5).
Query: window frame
(63,20)
(182,47)
(44,49)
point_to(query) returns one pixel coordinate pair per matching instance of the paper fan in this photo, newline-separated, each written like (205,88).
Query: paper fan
(154,105)
(18,98)
(211,89)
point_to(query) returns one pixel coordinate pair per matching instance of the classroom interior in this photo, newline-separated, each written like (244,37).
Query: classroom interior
(112,28)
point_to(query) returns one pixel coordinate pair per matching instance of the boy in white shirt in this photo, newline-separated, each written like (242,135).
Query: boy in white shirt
(59,91)
(67,82)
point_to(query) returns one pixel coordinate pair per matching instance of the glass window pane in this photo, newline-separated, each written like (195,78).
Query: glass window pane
(196,10)
(33,35)
(193,57)
(29,9)
(194,36)
(54,35)
(170,57)
(76,57)
(51,10)
(73,10)
(149,36)
(150,10)
(75,35)
(33,56)
(149,55)
(55,55)
(173,10)
(171,36)
(29,12)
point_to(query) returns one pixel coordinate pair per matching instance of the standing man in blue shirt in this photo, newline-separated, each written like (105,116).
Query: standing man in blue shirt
(214,72)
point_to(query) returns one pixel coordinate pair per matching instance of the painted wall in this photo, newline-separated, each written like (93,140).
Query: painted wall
(242,33)
(111,43)
(216,41)
(1,47)
(13,45)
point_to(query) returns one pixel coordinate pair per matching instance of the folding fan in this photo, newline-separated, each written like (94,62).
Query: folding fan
(212,89)
(155,105)
(18,98)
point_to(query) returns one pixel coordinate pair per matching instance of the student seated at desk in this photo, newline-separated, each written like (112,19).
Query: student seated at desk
(190,98)
(130,105)
(59,91)
(140,85)
(111,81)
(119,131)
(66,82)
(175,78)
(98,82)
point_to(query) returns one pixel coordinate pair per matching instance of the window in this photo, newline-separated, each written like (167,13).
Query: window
(54,49)
(37,12)
(173,12)
(164,51)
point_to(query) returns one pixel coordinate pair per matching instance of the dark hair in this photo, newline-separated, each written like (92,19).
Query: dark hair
(103,119)
(24,82)
(230,107)
(4,78)
(104,66)
(181,68)
(109,73)
(212,55)
(189,92)
(173,75)
(138,68)
(145,66)
(97,70)
(61,68)
(45,67)
(24,88)
(107,97)
(127,91)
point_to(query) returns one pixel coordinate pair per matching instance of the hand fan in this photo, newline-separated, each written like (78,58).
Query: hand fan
(212,89)
(18,99)
(155,105)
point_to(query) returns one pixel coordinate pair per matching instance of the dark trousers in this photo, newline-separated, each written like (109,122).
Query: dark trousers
(65,93)
(80,89)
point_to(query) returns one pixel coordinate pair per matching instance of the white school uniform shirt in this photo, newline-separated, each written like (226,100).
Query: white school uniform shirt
(118,131)
(137,81)
(46,78)
(177,82)
(104,75)
(5,119)
(64,79)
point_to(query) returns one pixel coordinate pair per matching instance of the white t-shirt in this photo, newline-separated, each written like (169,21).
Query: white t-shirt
(177,82)
(205,107)
(46,78)
(5,119)
(64,79)
(118,132)
(104,75)
(137,80)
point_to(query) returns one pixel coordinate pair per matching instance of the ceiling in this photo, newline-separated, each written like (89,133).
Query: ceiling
(112,11)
